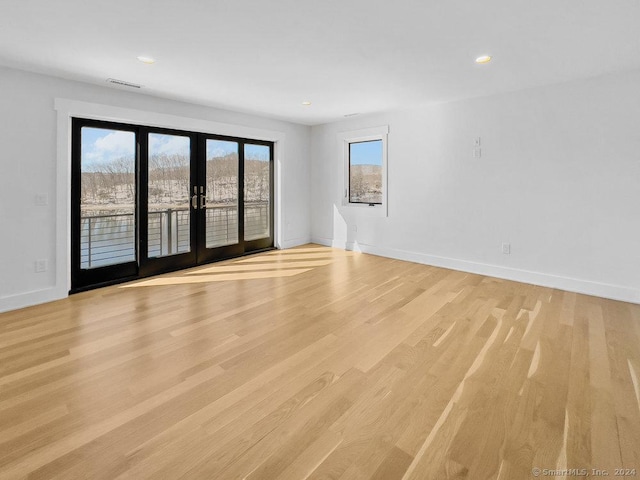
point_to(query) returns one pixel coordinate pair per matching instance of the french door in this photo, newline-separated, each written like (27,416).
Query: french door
(148,200)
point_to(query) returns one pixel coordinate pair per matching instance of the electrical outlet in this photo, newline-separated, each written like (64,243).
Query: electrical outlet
(42,199)
(477,152)
(40,266)
(506,248)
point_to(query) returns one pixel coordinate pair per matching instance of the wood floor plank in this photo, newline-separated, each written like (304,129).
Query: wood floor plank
(315,363)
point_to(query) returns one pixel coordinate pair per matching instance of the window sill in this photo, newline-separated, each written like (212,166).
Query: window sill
(365,209)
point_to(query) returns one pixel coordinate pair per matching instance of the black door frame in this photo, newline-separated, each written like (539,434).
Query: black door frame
(266,242)
(155,265)
(243,246)
(144,266)
(80,278)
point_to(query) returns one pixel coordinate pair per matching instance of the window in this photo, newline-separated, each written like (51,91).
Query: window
(365,159)
(365,172)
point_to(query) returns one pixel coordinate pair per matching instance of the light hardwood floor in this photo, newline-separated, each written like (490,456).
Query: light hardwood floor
(319,363)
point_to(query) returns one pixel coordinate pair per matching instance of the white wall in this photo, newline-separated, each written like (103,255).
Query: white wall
(28,166)
(559,179)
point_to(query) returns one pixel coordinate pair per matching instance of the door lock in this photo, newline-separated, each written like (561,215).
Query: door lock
(198,200)
(203,198)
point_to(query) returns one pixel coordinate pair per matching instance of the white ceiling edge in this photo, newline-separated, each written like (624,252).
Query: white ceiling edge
(270,116)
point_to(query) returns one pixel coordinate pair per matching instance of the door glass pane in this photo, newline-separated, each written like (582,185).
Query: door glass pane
(257,191)
(107,197)
(222,193)
(169,230)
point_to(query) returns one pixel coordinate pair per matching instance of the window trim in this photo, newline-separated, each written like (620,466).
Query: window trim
(68,108)
(358,136)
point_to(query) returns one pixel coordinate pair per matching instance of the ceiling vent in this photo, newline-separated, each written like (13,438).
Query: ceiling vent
(122,83)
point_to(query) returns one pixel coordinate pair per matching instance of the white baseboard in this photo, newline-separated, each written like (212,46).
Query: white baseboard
(294,242)
(29,299)
(586,287)
(329,242)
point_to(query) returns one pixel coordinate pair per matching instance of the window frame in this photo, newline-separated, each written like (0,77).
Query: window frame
(351,143)
(358,136)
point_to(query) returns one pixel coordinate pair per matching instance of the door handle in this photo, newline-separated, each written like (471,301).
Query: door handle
(194,202)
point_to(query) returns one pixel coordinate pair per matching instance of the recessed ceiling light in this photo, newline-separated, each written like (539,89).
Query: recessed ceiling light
(483,59)
(147,60)
(306,103)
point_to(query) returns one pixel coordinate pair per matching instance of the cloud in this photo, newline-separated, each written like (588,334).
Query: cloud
(99,148)
(116,143)
(169,145)
(102,146)
(220,148)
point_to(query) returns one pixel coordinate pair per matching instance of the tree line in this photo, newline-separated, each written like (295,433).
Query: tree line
(113,183)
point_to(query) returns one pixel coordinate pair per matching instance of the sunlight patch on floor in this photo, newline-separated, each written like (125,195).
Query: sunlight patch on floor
(274,264)
(222,277)
(263,266)
(292,256)
(302,250)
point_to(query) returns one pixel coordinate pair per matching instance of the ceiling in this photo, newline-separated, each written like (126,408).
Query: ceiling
(345,56)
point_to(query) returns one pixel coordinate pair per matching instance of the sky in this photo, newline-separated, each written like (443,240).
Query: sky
(220,148)
(366,153)
(256,152)
(101,146)
(160,144)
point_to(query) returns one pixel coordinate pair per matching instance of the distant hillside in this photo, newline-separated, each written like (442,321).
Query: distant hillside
(111,187)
